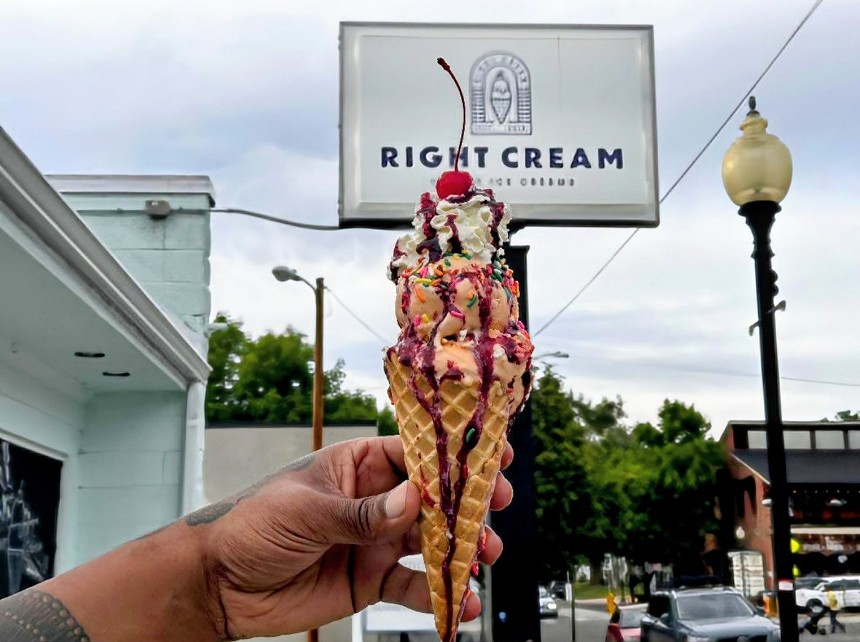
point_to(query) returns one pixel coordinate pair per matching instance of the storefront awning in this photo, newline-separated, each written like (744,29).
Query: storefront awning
(808,466)
(62,292)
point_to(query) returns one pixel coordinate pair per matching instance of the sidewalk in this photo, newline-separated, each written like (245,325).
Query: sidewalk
(852,628)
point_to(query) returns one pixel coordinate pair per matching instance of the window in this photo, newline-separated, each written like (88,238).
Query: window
(630,618)
(712,607)
(797,440)
(757,439)
(658,605)
(829,440)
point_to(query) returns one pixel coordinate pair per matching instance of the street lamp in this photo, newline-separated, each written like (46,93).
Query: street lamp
(283,273)
(757,174)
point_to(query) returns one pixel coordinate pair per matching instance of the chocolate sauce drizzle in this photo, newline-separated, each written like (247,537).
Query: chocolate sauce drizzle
(420,355)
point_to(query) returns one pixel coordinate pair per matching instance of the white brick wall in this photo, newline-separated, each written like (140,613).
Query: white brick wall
(168,256)
(130,462)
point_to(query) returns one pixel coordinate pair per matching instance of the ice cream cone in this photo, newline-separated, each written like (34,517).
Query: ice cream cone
(458,375)
(454,467)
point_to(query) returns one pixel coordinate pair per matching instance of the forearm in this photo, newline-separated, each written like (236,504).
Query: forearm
(152,589)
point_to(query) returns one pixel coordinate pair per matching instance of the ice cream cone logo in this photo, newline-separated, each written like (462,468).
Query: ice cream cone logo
(500,95)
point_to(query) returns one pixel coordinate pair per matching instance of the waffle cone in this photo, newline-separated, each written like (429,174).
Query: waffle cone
(445,472)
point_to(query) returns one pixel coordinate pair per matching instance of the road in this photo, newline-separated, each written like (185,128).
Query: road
(591,621)
(590,625)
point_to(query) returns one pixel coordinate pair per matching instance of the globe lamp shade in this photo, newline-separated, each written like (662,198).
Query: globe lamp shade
(757,167)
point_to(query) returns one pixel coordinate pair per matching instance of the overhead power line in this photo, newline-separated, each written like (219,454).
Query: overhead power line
(711,371)
(688,168)
(357,318)
(275,219)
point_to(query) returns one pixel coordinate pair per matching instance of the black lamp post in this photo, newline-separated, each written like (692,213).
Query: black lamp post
(757,174)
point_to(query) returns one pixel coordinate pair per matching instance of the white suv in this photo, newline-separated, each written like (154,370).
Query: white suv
(846,588)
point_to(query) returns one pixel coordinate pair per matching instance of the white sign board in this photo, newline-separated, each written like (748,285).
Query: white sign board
(560,120)
(748,572)
(381,617)
(393,618)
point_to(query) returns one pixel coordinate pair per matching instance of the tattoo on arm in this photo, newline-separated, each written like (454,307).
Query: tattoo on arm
(209,514)
(33,616)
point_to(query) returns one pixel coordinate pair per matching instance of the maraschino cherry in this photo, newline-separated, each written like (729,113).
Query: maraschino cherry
(454,183)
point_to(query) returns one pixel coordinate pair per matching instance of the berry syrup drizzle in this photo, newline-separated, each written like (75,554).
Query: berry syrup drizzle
(419,354)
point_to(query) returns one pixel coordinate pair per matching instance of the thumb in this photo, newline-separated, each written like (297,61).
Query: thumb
(371,519)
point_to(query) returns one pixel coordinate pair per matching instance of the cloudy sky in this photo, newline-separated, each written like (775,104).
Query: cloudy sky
(247,93)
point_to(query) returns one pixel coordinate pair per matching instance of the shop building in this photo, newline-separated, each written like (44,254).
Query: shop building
(823,471)
(104,301)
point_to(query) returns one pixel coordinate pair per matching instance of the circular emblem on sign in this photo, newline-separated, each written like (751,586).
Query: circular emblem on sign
(500,92)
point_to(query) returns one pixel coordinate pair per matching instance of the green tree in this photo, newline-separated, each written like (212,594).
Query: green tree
(845,415)
(676,490)
(561,481)
(269,380)
(226,347)
(646,493)
(387,423)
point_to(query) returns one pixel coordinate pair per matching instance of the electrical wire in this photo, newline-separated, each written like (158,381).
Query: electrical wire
(689,166)
(356,317)
(720,373)
(275,219)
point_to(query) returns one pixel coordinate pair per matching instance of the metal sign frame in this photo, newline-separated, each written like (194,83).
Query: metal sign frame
(353,212)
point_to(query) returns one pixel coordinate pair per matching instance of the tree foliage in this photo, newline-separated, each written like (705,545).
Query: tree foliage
(845,415)
(270,380)
(645,492)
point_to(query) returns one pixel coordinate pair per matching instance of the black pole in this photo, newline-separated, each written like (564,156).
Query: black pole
(514,578)
(760,216)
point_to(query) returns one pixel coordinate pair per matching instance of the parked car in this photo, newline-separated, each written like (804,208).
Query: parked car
(557,590)
(809,581)
(548,605)
(704,615)
(627,627)
(846,588)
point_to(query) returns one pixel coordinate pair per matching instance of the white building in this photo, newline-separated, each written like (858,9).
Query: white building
(104,301)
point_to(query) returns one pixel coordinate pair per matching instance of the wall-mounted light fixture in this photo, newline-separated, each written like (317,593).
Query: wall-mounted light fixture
(157,208)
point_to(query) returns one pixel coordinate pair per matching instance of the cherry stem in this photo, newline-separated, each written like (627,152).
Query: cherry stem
(447,68)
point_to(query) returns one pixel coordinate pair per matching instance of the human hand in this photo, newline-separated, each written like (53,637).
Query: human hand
(320,540)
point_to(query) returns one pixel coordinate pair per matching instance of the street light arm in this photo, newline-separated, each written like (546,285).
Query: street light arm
(308,283)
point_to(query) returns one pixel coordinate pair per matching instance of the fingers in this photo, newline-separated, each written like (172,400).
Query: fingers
(410,589)
(472,608)
(503,493)
(508,455)
(364,467)
(492,547)
(406,587)
(367,520)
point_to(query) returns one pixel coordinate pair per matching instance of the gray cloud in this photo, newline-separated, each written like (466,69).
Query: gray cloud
(247,93)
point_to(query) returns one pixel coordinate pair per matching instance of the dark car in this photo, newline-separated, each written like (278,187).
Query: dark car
(705,614)
(557,589)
